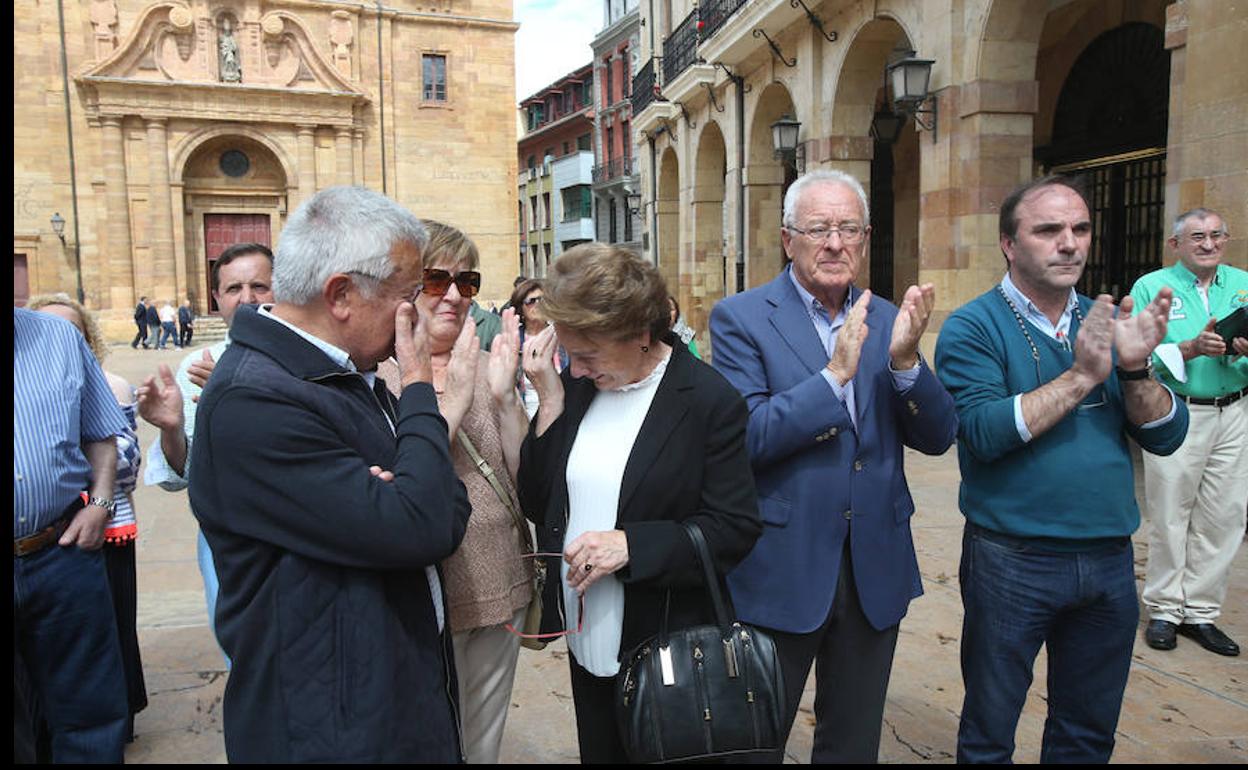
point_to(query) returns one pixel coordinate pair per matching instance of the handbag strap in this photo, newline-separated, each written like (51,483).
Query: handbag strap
(517,518)
(722,616)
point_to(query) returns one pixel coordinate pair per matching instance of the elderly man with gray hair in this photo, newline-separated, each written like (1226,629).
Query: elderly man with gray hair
(836,389)
(1195,497)
(328,503)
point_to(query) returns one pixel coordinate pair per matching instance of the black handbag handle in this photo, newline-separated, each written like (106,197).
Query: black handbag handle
(723,618)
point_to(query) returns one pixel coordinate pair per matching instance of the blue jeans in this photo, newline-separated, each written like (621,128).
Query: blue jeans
(67,638)
(1081,606)
(208,571)
(167,332)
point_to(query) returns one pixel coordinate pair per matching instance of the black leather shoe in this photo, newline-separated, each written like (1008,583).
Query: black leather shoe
(1209,637)
(1160,634)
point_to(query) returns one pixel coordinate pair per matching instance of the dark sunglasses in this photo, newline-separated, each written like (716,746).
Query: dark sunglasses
(438,282)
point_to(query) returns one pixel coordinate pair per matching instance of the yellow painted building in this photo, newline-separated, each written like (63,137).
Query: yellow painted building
(1145,99)
(196,124)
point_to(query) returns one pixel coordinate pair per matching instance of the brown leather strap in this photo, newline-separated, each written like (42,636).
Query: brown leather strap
(522,525)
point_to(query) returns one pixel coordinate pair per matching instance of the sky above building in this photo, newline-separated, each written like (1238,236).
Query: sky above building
(553,40)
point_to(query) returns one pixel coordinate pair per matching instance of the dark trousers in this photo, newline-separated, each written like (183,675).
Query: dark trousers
(1081,606)
(852,664)
(141,336)
(597,733)
(185,332)
(67,638)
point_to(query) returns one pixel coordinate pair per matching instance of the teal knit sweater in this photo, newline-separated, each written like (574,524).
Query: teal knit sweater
(1072,483)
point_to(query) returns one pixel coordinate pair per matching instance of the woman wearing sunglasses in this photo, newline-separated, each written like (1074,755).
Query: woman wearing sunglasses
(633,437)
(488,585)
(527,299)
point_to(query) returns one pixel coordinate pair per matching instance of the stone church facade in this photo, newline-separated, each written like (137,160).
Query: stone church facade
(194,125)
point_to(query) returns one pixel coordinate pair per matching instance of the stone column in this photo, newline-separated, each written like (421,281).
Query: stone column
(342,154)
(357,152)
(307,162)
(120,290)
(160,212)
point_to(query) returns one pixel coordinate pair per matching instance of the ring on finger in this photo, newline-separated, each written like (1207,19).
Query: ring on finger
(589,568)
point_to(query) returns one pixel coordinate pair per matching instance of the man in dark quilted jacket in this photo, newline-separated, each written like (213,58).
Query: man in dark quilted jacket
(328,504)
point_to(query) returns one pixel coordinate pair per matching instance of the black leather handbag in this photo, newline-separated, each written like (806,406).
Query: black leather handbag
(706,692)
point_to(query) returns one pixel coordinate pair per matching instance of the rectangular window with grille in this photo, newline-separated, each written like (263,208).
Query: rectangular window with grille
(434,76)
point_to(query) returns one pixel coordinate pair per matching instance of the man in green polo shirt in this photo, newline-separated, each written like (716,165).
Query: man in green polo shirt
(1196,497)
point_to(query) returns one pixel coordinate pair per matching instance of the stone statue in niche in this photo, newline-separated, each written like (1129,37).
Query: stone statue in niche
(103,19)
(227,47)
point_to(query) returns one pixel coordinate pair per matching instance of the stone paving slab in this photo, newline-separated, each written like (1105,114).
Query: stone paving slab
(1185,705)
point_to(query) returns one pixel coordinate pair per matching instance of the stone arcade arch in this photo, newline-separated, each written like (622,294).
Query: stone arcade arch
(667,251)
(765,182)
(889,172)
(704,279)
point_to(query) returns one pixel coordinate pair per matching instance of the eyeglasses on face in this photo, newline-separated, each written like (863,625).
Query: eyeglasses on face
(850,232)
(438,282)
(531,301)
(1198,237)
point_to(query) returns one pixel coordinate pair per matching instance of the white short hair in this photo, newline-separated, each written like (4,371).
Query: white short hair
(341,230)
(1198,213)
(817,177)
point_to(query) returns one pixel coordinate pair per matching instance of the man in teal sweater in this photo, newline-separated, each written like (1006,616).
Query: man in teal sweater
(1047,484)
(1195,498)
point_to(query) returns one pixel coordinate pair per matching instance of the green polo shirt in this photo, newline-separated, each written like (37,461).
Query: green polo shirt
(1207,376)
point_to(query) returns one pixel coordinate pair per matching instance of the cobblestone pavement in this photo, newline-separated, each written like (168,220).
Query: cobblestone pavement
(1186,705)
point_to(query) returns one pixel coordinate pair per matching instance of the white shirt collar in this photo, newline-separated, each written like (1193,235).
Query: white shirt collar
(336,354)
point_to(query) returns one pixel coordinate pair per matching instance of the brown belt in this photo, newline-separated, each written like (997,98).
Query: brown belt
(25,546)
(42,539)
(1226,400)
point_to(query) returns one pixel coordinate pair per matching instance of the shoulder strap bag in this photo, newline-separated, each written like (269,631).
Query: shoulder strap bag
(705,692)
(533,615)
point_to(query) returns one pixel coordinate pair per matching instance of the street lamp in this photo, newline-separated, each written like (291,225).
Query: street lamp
(784,139)
(633,201)
(886,125)
(910,77)
(58,227)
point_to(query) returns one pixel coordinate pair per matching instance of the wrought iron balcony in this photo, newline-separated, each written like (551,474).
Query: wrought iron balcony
(645,88)
(613,169)
(714,13)
(681,47)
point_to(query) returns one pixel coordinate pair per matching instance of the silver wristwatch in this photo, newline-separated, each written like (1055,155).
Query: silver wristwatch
(105,503)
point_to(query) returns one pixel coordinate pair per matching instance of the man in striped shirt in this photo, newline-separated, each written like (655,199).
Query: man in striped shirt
(64,422)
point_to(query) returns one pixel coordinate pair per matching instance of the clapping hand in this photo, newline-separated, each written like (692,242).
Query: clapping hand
(160,400)
(201,370)
(461,373)
(1136,336)
(505,358)
(1094,344)
(849,341)
(411,344)
(912,317)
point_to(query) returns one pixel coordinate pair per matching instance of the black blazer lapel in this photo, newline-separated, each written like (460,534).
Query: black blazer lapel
(666,413)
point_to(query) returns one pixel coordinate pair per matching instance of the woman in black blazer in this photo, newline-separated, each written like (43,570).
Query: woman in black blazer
(635,436)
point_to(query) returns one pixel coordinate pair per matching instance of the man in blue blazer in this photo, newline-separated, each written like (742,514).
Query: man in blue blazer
(835,387)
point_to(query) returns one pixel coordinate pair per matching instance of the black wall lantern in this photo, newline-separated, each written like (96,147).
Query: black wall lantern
(909,77)
(784,139)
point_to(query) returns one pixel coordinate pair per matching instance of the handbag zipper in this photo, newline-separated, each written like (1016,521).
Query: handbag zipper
(750,703)
(703,700)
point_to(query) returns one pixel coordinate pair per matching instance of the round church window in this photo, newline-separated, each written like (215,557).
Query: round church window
(234,163)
